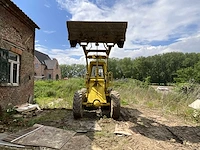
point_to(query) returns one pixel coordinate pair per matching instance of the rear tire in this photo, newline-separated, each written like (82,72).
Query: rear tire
(77,105)
(115,105)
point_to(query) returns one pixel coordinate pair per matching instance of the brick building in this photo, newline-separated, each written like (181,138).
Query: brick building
(17,38)
(45,68)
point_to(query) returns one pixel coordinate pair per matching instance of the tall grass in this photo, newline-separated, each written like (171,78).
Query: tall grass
(49,93)
(59,94)
(174,102)
(135,92)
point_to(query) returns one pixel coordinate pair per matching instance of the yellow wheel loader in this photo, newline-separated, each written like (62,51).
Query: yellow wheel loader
(103,36)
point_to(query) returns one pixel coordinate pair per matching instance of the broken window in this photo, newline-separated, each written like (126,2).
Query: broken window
(9,67)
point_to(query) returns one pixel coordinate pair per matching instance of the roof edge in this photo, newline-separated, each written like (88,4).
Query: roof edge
(8,4)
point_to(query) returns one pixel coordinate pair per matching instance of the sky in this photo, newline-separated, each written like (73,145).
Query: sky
(154,26)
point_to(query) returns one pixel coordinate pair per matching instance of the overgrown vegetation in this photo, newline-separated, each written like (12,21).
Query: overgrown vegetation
(55,94)
(134,93)
(59,94)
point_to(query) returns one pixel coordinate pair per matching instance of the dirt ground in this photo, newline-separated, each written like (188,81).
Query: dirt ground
(149,128)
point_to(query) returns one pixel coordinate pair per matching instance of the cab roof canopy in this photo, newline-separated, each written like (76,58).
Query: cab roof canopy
(96,32)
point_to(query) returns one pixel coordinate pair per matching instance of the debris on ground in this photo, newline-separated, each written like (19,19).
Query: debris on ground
(140,129)
(195,104)
(27,109)
(160,88)
(50,137)
(122,128)
(4,135)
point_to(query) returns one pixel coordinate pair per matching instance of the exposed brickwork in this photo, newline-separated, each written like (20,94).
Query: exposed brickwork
(38,67)
(42,70)
(17,36)
(56,71)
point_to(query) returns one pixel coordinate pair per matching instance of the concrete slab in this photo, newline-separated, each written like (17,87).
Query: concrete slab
(195,104)
(122,128)
(4,135)
(46,136)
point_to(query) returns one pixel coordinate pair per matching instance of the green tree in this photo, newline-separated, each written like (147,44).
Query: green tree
(185,75)
(126,67)
(114,67)
(74,70)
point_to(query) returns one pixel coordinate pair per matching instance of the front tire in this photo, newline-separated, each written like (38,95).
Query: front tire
(115,105)
(77,105)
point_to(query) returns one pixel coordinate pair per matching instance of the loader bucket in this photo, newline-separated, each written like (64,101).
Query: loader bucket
(96,32)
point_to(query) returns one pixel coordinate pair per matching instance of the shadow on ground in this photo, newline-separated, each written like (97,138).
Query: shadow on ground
(159,131)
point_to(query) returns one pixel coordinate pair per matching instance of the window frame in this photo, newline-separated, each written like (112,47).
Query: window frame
(12,62)
(99,69)
(11,72)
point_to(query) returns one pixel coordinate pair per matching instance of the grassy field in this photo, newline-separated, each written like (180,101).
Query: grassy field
(56,94)
(59,94)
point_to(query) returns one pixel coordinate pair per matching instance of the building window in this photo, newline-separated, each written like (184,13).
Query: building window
(9,66)
(49,76)
(57,77)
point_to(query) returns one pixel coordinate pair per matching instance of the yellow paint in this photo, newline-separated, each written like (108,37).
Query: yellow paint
(97,103)
(97,82)
(96,91)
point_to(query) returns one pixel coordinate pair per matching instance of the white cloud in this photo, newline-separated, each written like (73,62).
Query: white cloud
(148,21)
(47,5)
(191,43)
(63,56)
(76,55)
(49,32)
(41,48)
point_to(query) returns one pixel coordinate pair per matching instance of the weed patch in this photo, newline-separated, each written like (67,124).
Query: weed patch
(59,94)
(48,92)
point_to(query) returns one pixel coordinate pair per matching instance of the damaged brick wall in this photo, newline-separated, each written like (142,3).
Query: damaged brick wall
(39,68)
(17,36)
(56,71)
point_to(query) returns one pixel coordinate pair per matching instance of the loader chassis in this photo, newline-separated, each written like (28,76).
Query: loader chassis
(103,36)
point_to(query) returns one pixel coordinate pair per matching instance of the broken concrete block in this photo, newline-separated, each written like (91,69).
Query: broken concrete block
(195,104)
(27,107)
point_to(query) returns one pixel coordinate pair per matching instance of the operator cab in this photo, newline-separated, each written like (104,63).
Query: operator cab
(97,70)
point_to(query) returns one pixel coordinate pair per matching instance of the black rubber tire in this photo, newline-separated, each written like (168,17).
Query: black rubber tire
(115,105)
(77,105)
